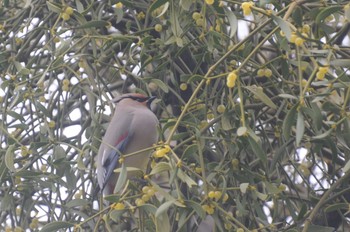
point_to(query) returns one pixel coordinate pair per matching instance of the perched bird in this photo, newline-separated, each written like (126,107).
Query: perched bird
(132,128)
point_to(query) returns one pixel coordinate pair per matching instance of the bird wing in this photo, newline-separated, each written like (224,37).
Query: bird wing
(111,162)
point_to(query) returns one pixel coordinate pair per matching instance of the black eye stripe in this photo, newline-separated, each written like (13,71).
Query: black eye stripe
(139,99)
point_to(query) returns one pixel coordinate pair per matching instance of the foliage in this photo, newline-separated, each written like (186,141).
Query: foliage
(258,121)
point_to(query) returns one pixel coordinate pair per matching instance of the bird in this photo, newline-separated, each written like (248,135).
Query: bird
(133,127)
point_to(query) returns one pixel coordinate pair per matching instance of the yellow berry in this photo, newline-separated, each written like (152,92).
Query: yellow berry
(69,10)
(139,202)
(217,195)
(293,38)
(43,168)
(140,16)
(158,27)
(261,72)
(320,76)
(42,99)
(323,69)
(267,72)
(246,6)
(56,39)
(241,47)
(119,206)
(227,226)
(306,28)
(282,33)
(145,189)
(235,163)
(225,198)
(240,230)
(65,88)
(210,116)
(65,16)
(221,109)
(65,82)
(119,5)
(77,195)
(196,15)
(145,197)
(52,124)
(18,211)
(24,151)
(183,86)
(160,153)
(33,225)
(18,229)
(203,124)
(211,194)
(151,192)
(282,187)
(198,170)
(299,41)
(304,169)
(303,82)
(200,22)
(209,2)
(231,79)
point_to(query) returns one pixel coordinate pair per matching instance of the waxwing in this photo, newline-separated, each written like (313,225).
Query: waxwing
(132,128)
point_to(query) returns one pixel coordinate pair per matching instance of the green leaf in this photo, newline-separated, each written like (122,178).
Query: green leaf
(160,167)
(164,208)
(190,151)
(289,121)
(315,228)
(259,93)
(121,178)
(225,121)
(15,115)
(196,207)
(300,127)
(62,49)
(347,12)
(302,211)
(157,4)
(56,226)
(261,196)
(271,188)
(9,158)
(93,24)
(186,4)
(323,135)
(54,7)
(149,208)
(327,11)
(336,206)
(284,25)
(7,202)
(243,187)
(287,96)
(346,166)
(257,149)
(166,195)
(232,20)
(77,202)
(340,63)
(185,178)
(161,85)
